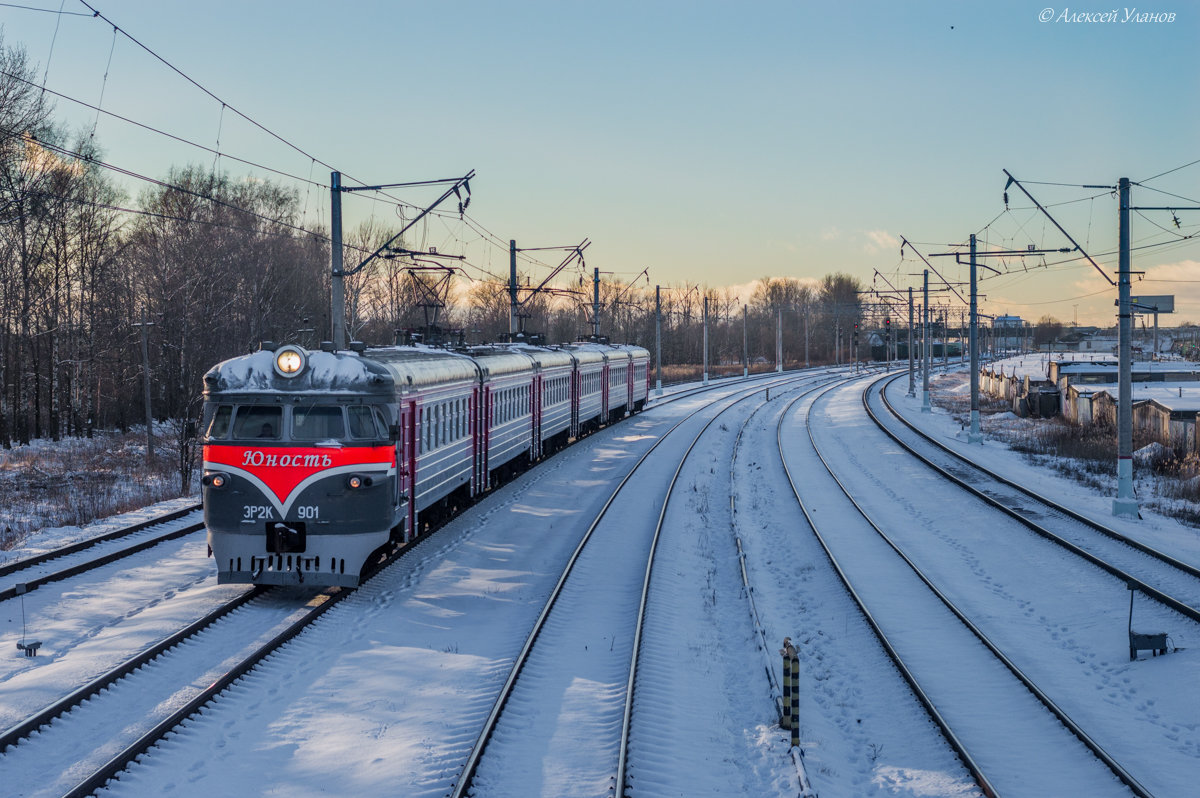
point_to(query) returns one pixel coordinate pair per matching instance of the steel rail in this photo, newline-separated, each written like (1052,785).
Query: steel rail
(102,560)
(38,559)
(1096,749)
(630,685)
(122,760)
(20,731)
(1059,508)
(467,775)
(1161,597)
(951,738)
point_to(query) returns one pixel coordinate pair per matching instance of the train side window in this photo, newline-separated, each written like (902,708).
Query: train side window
(318,423)
(258,422)
(219,427)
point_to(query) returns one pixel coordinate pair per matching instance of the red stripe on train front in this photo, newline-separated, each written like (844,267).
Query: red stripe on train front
(282,468)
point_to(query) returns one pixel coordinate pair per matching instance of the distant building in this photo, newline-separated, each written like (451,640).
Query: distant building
(1010,334)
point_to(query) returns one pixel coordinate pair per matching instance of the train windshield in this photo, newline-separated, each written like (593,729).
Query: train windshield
(318,423)
(258,422)
(365,423)
(219,426)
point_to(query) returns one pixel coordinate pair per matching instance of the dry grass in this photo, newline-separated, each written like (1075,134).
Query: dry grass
(71,483)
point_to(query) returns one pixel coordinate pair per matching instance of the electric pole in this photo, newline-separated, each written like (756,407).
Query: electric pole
(745,347)
(338,272)
(658,339)
(512,290)
(706,340)
(912,390)
(337,286)
(976,433)
(1125,503)
(596,304)
(925,354)
(778,339)
(145,331)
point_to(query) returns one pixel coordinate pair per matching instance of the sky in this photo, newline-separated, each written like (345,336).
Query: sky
(713,143)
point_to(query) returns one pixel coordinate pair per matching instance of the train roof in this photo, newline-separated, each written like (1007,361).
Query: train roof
(424,365)
(380,369)
(322,372)
(497,361)
(545,357)
(588,352)
(636,352)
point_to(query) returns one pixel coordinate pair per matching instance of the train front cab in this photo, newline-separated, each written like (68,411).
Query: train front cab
(299,484)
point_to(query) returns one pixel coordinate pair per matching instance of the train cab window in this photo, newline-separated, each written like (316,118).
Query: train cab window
(255,422)
(219,426)
(365,423)
(318,423)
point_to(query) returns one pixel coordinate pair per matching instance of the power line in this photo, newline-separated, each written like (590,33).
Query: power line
(1169,171)
(176,70)
(161,183)
(172,136)
(1169,194)
(96,13)
(60,12)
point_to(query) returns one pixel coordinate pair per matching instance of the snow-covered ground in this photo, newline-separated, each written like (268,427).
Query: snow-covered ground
(382,697)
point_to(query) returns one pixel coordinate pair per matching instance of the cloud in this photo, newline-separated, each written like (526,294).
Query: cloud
(880,241)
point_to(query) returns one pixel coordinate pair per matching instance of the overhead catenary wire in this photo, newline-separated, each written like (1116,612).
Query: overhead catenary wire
(1169,171)
(59,12)
(217,154)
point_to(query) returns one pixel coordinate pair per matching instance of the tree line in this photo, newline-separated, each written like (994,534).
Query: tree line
(206,265)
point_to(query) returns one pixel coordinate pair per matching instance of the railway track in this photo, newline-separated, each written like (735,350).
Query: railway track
(1169,581)
(602,556)
(993,715)
(77,558)
(47,734)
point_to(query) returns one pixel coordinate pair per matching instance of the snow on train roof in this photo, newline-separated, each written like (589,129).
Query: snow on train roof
(546,357)
(588,352)
(500,360)
(424,365)
(323,372)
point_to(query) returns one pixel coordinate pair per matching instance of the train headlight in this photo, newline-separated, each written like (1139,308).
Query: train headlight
(356,481)
(289,361)
(216,480)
